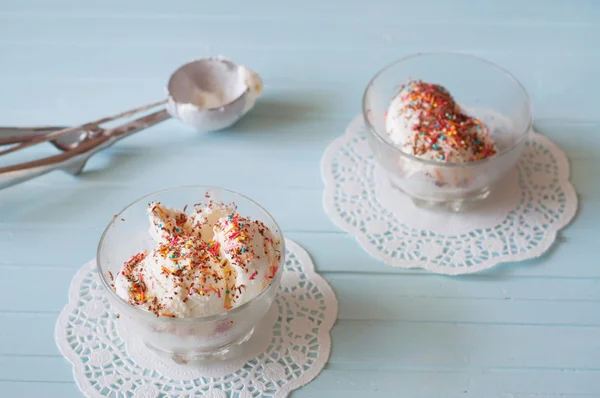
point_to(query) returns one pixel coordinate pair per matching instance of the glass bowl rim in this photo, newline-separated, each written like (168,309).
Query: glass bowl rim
(523,134)
(191,320)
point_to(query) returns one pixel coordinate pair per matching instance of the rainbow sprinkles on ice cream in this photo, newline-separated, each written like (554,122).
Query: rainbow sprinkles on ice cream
(204,263)
(425,121)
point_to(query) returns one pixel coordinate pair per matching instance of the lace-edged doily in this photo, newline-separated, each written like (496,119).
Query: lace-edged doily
(520,221)
(287,351)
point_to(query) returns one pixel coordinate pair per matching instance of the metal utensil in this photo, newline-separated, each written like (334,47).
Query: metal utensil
(80,144)
(208,94)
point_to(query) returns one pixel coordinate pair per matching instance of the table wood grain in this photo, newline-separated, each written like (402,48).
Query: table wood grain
(522,330)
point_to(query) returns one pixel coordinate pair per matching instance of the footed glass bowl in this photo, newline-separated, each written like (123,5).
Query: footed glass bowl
(483,90)
(183,339)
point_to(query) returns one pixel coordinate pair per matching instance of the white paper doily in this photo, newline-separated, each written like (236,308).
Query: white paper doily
(520,221)
(287,351)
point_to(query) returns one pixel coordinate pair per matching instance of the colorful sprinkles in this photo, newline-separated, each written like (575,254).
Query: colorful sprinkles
(441,125)
(190,268)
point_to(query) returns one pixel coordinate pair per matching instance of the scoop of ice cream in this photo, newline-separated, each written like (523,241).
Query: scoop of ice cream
(166,222)
(205,217)
(203,264)
(180,278)
(251,250)
(425,121)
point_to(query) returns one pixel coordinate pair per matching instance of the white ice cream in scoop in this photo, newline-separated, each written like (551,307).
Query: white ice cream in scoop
(425,121)
(180,278)
(166,222)
(204,218)
(195,272)
(251,250)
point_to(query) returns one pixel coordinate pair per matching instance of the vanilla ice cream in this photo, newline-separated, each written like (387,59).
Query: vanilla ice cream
(204,263)
(166,222)
(250,249)
(205,217)
(425,121)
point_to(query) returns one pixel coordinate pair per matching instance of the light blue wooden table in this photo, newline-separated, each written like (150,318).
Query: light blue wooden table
(520,330)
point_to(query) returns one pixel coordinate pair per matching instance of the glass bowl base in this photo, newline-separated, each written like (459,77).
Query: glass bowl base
(218,353)
(454,203)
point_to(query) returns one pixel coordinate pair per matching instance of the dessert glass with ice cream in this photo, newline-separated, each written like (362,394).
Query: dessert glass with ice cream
(192,270)
(446,127)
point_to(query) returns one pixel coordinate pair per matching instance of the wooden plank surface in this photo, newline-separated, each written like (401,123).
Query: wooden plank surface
(522,330)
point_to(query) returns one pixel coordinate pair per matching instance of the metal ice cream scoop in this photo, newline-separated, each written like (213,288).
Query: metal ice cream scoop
(208,94)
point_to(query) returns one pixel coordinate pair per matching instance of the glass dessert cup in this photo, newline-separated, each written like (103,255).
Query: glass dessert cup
(484,91)
(183,339)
